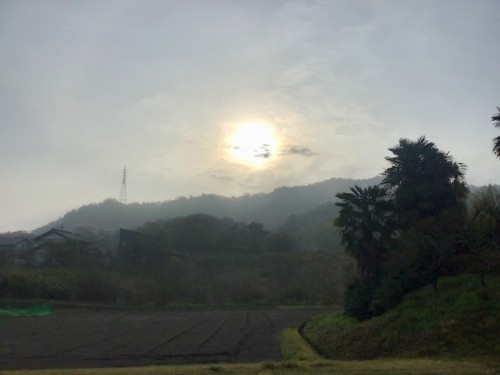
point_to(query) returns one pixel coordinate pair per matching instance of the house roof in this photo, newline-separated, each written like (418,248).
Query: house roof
(62,233)
(11,241)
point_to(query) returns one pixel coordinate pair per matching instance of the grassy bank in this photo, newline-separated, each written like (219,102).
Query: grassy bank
(461,319)
(294,348)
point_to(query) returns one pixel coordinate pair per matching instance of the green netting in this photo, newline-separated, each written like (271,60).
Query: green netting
(36,310)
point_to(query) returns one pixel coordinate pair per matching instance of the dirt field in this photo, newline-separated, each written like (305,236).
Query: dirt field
(71,339)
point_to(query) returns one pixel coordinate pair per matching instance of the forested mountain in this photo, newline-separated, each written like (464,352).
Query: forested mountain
(270,209)
(314,229)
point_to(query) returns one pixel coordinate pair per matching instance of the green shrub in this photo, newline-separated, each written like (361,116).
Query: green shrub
(358,300)
(386,296)
(269,365)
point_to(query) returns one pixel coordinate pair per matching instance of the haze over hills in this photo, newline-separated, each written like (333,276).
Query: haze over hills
(271,209)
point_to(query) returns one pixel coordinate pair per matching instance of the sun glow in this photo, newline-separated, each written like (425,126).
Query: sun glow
(253,143)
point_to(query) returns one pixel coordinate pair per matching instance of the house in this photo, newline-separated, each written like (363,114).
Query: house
(14,250)
(55,236)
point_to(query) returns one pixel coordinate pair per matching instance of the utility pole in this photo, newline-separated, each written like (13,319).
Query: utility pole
(123,193)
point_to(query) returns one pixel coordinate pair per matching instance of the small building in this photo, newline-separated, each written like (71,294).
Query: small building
(56,236)
(14,250)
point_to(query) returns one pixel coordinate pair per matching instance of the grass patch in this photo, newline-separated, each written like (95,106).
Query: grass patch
(374,367)
(295,348)
(461,319)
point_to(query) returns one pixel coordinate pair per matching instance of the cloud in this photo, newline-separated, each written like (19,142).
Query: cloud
(263,151)
(222,178)
(299,150)
(99,86)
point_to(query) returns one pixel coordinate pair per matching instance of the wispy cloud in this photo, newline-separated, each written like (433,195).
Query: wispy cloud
(222,178)
(300,151)
(263,151)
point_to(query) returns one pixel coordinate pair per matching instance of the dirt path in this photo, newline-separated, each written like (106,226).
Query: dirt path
(71,339)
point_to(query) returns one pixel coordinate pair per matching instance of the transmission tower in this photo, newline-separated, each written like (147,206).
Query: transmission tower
(123,193)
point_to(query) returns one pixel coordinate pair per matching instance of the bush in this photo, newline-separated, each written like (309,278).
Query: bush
(25,283)
(386,296)
(358,300)
(93,287)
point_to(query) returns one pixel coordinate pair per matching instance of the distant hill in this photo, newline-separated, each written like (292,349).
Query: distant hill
(271,209)
(314,229)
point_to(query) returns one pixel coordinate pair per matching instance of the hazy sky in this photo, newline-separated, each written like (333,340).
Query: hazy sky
(163,87)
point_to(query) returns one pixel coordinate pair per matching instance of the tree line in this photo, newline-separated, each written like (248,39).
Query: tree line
(415,226)
(196,259)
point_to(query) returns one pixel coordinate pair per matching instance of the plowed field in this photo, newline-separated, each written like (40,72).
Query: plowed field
(70,339)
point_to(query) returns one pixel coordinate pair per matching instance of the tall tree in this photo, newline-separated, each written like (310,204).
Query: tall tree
(429,194)
(366,227)
(496,141)
(423,180)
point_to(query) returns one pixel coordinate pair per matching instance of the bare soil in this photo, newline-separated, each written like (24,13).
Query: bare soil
(82,339)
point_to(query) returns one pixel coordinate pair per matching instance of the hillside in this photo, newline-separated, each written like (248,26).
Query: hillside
(314,229)
(270,209)
(461,319)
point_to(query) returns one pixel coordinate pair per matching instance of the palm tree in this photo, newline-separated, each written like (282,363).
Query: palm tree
(496,141)
(429,194)
(423,180)
(366,229)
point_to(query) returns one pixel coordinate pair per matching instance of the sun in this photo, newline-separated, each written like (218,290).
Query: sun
(253,143)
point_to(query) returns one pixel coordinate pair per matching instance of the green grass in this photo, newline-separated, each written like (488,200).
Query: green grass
(295,348)
(461,319)
(374,367)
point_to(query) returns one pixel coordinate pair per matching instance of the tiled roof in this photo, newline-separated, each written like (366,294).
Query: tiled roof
(11,241)
(63,233)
